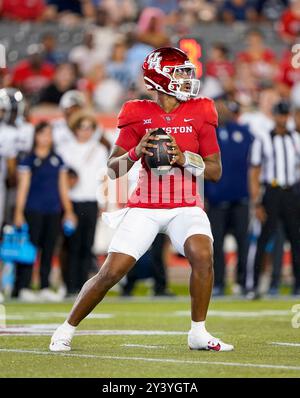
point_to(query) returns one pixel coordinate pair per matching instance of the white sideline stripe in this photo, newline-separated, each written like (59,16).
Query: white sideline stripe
(13,317)
(228,314)
(285,344)
(142,346)
(161,360)
(34,331)
(65,314)
(240,314)
(47,315)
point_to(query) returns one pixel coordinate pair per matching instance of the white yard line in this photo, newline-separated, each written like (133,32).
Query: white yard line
(240,314)
(34,330)
(285,344)
(159,360)
(142,346)
(13,317)
(212,313)
(47,315)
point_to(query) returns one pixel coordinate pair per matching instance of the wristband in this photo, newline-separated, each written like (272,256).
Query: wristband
(194,163)
(132,156)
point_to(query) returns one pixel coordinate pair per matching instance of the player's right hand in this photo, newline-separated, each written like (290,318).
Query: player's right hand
(141,148)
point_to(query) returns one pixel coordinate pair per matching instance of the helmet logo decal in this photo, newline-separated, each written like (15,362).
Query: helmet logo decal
(154,60)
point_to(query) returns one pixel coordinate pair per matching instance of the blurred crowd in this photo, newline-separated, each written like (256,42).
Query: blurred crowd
(98,75)
(119,34)
(185,11)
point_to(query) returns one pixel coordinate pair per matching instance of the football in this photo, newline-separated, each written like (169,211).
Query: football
(159,163)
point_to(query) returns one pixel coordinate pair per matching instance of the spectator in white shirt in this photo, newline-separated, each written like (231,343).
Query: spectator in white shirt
(86,55)
(87,157)
(261,121)
(105,84)
(70,103)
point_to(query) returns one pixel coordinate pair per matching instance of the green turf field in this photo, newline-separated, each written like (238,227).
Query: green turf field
(127,338)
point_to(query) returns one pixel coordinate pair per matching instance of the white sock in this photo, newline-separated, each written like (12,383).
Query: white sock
(67,328)
(198,327)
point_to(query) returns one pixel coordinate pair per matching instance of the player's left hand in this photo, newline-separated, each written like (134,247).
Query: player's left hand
(177,156)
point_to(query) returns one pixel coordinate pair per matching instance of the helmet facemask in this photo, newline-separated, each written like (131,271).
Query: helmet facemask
(182,82)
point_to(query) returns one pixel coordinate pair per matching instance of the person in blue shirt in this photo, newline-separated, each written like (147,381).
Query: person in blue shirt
(42,196)
(238,10)
(228,200)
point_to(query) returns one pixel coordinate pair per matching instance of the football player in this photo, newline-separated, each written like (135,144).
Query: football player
(8,149)
(20,138)
(160,203)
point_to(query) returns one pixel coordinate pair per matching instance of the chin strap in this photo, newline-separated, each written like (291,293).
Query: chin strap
(180,95)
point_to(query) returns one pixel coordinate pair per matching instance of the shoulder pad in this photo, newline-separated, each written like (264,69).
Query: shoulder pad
(209,109)
(131,112)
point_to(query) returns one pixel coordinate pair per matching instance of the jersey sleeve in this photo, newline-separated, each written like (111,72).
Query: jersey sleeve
(61,165)
(129,114)
(10,143)
(25,164)
(208,142)
(127,118)
(12,152)
(127,139)
(211,114)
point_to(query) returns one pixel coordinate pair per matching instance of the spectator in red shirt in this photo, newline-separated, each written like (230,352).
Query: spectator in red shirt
(22,10)
(218,65)
(33,74)
(288,76)
(289,26)
(261,61)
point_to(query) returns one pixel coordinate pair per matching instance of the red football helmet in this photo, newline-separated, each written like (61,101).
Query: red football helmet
(168,69)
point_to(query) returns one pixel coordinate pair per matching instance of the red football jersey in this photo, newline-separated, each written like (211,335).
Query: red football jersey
(220,69)
(289,24)
(192,124)
(30,79)
(287,73)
